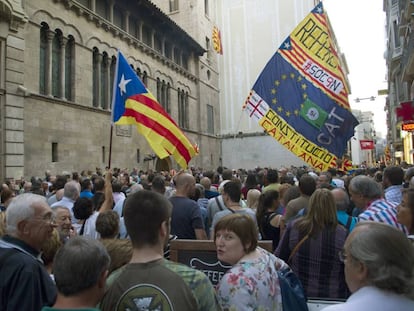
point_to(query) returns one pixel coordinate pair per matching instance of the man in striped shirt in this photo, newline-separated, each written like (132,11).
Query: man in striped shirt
(366,194)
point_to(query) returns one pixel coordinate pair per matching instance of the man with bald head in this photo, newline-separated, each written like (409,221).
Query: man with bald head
(342,203)
(208,193)
(186,220)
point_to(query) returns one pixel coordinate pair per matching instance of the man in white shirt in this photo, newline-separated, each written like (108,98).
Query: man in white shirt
(379,272)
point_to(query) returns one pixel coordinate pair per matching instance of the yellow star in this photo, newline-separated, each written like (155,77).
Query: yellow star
(277,82)
(305,95)
(288,113)
(296,112)
(299,78)
(292,75)
(273,91)
(302,106)
(280,109)
(274,101)
(304,86)
(284,77)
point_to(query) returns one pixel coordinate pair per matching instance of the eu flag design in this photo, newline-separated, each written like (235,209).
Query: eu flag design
(303,90)
(134,104)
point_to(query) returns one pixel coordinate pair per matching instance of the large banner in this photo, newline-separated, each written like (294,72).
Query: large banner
(301,98)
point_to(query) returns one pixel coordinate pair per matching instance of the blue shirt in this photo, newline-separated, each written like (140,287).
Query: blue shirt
(343,219)
(86,194)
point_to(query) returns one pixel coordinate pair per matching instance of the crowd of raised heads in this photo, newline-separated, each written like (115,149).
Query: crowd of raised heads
(114,228)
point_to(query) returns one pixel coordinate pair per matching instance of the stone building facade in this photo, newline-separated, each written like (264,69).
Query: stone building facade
(57,61)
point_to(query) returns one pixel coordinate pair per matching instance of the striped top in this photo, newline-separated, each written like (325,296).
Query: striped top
(382,211)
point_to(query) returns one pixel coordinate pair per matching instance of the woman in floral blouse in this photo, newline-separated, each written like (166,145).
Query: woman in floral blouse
(252,283)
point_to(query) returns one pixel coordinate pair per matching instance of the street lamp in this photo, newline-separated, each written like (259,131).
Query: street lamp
(371,98)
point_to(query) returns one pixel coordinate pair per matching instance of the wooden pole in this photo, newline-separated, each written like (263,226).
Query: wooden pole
(110,146)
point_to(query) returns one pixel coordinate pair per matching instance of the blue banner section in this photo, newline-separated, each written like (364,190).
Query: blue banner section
(305,107)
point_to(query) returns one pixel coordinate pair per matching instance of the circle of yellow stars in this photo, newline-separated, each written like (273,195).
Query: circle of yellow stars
(283,110)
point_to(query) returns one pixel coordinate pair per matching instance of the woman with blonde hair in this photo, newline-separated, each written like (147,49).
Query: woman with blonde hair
(253,198)
(310,245)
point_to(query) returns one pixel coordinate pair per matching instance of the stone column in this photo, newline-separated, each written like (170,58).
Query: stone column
(108,83)
(62,75)
(48,63)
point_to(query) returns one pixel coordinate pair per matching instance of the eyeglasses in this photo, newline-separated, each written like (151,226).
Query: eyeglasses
(342,255)
(48,218)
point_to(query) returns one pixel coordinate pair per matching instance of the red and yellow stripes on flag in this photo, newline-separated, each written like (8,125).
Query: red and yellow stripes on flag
(161,132)
(312,55)
(216,38)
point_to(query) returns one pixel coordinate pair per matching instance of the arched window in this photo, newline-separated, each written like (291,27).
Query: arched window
(43,53)
(118,17)
(56,65)
(182,108)
(139,73)
(145,78)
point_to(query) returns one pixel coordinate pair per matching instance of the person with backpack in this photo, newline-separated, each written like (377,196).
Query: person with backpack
(310,245)
(342,203)
(269,215)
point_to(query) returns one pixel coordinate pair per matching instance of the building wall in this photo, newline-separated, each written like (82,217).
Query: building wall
(31,122)
(198,19)
(251,152)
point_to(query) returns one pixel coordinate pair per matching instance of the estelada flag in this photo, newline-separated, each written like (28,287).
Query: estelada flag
(301,97)
(134,104)
(216,38)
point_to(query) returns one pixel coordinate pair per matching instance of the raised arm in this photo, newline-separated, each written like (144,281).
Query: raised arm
(109,200)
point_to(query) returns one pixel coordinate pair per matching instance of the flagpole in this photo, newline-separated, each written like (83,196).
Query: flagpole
(112,108)
(110,146)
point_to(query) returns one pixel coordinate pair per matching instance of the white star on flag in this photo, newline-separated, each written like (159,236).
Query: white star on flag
(122,84)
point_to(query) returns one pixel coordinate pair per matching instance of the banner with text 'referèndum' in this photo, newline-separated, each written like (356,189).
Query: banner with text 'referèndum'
(301,98)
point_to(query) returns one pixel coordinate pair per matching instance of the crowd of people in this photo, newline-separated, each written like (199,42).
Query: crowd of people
(100,240)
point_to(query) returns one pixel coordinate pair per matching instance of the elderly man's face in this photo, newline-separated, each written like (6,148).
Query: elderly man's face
(36,230)
(63,220)
(357,198)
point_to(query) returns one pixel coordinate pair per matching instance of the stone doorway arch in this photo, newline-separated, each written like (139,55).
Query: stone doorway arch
(163,164)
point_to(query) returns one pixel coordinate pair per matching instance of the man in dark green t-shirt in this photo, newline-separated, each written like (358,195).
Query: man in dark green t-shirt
(150,282)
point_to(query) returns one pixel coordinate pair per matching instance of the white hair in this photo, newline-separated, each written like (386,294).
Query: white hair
(21,208)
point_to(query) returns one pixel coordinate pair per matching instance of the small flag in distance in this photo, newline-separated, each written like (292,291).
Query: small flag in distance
(216,37)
